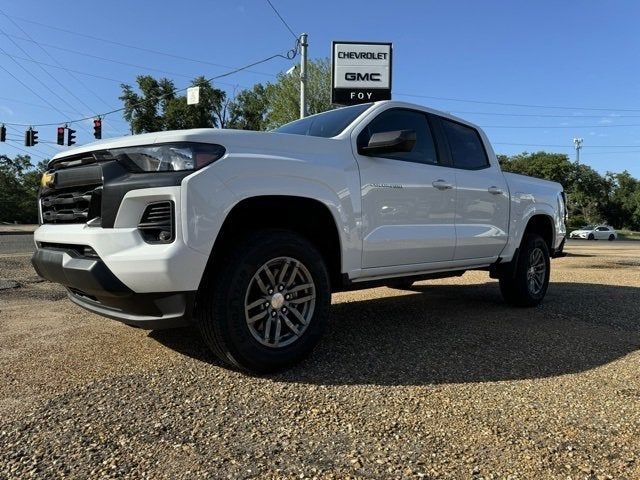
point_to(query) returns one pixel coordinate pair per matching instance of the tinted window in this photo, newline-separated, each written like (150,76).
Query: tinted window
(424,151)
(603,229)
(465,144)
(327,124)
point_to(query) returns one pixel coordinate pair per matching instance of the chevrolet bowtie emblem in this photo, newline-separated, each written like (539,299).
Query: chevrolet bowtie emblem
(47,179)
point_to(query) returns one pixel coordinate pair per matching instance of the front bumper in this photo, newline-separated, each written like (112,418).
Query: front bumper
(93,286)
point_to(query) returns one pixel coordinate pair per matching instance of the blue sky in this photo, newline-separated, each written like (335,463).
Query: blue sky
(580,56)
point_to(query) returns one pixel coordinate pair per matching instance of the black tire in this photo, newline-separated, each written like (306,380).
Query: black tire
(220,309)
(517,289)
(612,237)
(591,237)
(401,283)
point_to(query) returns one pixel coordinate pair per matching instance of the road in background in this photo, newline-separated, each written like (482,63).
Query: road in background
(16,244)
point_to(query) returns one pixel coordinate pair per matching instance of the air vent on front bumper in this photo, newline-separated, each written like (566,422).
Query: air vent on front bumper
(157,224)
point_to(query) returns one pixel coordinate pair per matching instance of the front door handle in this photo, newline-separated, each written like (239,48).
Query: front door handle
(495,190)
(441,184)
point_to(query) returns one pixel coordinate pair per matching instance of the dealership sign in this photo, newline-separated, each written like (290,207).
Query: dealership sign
(361,72)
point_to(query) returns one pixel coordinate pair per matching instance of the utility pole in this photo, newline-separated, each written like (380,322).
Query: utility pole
(303,75)
(578,143)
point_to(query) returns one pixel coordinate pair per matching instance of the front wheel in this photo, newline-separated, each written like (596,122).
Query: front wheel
(267,308)
(529,285)
(591,237)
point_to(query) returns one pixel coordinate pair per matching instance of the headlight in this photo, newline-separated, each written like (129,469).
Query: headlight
(168,157)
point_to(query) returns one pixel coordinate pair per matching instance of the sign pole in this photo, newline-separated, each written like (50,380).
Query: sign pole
(303,75)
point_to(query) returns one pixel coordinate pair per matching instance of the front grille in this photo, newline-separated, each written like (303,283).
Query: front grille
(73,194)
(71,205)
(156,224)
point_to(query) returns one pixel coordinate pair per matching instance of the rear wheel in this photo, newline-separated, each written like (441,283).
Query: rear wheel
(267,308)
(612,237)
(529,285)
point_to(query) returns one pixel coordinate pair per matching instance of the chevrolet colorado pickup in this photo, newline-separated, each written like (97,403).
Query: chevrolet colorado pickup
(247,234)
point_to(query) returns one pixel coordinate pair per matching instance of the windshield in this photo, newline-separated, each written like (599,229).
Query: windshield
(588,227)
(327,124)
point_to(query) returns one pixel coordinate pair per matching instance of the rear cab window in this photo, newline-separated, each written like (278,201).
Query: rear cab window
(465,144)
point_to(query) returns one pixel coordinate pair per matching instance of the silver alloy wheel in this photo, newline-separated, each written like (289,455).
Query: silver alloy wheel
(279,302)
(536,272)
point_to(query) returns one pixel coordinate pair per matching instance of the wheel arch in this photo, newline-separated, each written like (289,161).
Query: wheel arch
(543,225)
(309,217)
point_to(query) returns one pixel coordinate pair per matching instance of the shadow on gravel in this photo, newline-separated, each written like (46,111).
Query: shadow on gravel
(460,333)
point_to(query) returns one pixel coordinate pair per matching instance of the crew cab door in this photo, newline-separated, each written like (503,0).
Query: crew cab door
(482,202)
(408,197)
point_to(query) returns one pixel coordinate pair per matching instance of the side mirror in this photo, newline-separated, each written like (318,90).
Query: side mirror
(389,142)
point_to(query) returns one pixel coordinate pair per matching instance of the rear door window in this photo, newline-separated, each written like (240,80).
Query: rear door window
(466,146)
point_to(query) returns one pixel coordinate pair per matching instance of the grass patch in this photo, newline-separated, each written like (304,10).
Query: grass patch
(628,235)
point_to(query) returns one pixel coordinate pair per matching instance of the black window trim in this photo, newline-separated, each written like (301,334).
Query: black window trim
(442,158)
(450,154)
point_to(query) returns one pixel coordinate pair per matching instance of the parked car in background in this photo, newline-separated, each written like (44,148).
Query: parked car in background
(595,232)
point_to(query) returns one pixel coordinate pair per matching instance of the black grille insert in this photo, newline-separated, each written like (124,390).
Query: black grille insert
(156,224)
(71,205)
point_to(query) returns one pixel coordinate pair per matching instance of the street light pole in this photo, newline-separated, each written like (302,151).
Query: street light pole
(303,75)
(578,144)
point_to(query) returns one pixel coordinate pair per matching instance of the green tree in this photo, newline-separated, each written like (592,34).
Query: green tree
(624,200)
(283,96)
(157,107)
(248,110)
(592,198)
(19,183)
(267,106)
(550,166)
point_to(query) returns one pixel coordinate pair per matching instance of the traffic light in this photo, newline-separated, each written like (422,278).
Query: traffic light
(60,140)
(3,133)
(97,128)
(71,137)
(30,137)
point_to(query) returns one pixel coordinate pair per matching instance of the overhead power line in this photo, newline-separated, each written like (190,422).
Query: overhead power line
(55,60)
(30,153)
(524,105)
(562,146)
(605,125)
(135,47)
(284,22)
(289,55)
(115,80)
(105,59)
(542,115)
(63,86)
(30,89)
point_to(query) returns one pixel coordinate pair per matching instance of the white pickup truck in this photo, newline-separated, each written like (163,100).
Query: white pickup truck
(247,234)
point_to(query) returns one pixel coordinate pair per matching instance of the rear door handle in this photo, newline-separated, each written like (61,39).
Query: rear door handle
(441,184)
(495,190)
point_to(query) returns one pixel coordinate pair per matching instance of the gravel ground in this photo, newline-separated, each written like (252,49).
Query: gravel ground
(443,381)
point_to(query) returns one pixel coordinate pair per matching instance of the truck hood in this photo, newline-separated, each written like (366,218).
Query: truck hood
(232,140)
